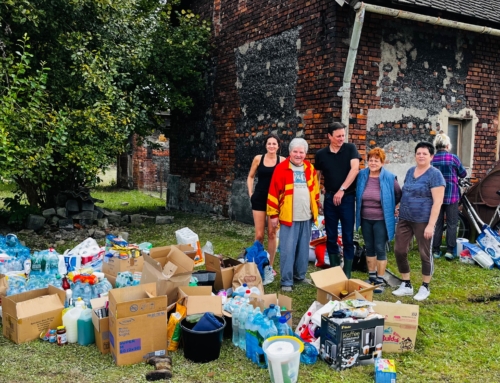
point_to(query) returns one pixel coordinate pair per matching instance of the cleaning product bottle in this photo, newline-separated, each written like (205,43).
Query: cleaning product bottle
(70,321)
(85,328)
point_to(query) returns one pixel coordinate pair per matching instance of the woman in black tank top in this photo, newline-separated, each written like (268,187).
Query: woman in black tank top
(263,167)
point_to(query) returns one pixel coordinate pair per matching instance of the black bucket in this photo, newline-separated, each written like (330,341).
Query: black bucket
(205,278)
(228,330)
(202,346)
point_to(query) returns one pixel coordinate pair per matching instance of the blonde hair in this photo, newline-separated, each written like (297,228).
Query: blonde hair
(442,141)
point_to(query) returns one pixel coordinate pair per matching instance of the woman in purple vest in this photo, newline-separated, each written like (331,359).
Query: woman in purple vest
(263,168)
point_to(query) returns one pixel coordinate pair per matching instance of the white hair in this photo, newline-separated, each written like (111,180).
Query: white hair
(442,141)
(298,142)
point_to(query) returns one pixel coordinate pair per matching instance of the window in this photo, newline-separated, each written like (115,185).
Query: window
(461,133)
(455,134)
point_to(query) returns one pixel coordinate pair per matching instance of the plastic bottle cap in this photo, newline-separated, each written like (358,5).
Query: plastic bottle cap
(61,327)
(282,320)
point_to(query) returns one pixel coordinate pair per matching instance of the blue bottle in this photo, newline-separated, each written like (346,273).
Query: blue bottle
(283,327)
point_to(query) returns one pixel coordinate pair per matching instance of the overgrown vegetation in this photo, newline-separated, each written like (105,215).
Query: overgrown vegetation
(457,341)
(78,78)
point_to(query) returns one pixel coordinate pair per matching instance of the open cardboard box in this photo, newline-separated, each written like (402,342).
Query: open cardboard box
(330,282)
(189,250)
(137,323)
(223,275)
(266,300)
(199,299)
(101,325)
(26,315)
(168,267)
(400,327)
(115,265)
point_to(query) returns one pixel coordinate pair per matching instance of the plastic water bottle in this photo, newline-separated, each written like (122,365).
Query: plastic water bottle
(255,290)
(249,329)
(77,290)
(240,291)
(283,327)
(51,262)
(242,319)
(36,264)
(235,324)
(271,312)
(86,294)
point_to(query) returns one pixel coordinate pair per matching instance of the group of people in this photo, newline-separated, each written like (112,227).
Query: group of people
(288,193)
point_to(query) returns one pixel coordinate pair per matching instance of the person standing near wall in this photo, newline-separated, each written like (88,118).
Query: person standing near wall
(377,194)
(452,169)
(339,165)
(423,193)
(263,167)
(293,201)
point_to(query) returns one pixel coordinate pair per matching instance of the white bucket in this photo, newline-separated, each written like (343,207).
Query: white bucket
(460,245)
(283,357)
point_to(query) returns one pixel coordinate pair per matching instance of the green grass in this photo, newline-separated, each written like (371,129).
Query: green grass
(458,341)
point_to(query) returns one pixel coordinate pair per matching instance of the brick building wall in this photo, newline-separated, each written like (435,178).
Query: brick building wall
(150,167)
(277,67)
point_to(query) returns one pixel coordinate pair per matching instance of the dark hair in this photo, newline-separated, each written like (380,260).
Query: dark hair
(335,126)
(272,135)
(425,144)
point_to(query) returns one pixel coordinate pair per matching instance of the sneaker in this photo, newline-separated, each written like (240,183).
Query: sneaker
(305,280)
(268,275)
(403,290)
(449,256)
(379,289)
(436,255)
(423,293)
(287,289)
(274,273)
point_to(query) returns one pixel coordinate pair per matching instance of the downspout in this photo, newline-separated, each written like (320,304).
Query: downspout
(360,9)
(396,13)
(345,91)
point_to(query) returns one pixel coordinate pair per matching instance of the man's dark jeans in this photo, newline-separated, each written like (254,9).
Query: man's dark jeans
(345,213)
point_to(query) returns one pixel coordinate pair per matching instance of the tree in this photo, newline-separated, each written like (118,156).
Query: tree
(79,77)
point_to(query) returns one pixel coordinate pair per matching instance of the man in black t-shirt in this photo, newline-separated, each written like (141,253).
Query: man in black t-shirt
(338,163)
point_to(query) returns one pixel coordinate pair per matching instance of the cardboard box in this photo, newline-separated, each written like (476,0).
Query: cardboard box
(401,325)
(169,268)
(332,281)
(189,250)
(346,345)
(111,279)
(115,265)
(199,299)
(26,315)
(137,323)
(223,275)
(266,300)
(101,325)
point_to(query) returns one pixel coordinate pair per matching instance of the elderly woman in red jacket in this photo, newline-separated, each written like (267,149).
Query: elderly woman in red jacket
(293,200)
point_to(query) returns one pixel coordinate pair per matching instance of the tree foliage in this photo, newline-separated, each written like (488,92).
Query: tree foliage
(79,77)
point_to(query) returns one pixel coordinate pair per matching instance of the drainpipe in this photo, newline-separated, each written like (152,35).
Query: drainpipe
(345,91)
(360,9)
(427,19)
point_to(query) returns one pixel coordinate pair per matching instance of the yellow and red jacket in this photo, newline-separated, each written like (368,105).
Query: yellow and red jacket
(280,197)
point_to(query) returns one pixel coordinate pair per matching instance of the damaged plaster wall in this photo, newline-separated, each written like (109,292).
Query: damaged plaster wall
(421,83)
(267,72)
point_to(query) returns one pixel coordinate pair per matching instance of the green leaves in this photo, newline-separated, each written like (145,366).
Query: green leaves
(113,64)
